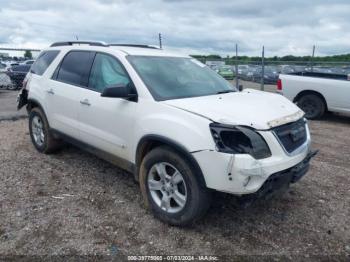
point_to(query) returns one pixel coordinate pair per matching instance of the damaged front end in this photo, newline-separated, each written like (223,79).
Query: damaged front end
(279,182)
(256,163)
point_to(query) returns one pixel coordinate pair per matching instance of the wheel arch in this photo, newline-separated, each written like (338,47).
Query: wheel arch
(149,142)
(310,92)
(32,103)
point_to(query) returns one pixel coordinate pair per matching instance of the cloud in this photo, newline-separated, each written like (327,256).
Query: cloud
(193,26)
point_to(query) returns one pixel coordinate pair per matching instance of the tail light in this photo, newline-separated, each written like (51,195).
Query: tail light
(279,84)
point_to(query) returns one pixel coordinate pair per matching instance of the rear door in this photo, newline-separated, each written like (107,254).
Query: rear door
(63,91)
(107,123)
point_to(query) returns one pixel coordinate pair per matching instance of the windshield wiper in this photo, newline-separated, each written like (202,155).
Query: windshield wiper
(225,91)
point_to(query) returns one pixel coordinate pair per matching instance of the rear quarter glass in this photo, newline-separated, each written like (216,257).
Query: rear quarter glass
(43,61)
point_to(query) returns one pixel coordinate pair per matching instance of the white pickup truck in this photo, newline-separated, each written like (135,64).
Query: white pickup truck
(316,93)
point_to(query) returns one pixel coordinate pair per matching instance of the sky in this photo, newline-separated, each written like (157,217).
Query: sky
(188,26)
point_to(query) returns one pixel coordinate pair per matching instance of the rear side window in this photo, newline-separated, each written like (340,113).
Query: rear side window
(44,60)
(75,68)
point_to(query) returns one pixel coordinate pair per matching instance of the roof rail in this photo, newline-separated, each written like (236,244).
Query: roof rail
(135,45)
(92,43)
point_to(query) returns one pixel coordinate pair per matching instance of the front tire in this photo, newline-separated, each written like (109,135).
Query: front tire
(171,189)
(42,137)
(313,106)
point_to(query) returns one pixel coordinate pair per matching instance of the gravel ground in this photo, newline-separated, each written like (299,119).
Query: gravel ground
(73,203)
(8,110)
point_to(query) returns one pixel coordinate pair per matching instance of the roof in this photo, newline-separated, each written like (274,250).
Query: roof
(127,49)
(146,51)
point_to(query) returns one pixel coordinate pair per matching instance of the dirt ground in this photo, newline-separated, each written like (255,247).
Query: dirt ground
(72,203)
(8,110)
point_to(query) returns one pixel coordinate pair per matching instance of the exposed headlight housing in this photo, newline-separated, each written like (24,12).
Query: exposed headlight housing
(239,140)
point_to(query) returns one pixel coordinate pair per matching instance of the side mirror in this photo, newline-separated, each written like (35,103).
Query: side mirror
(118,91)
(240,88)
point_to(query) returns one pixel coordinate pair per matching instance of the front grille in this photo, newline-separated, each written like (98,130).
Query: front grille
(291,135)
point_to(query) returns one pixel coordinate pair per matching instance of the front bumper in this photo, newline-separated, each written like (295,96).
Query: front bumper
(279,181)
(241,174)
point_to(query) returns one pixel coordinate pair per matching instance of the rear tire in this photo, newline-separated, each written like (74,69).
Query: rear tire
(313,106)
(194,198)
(42,138)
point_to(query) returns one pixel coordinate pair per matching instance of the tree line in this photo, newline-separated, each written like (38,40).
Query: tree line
(333,58)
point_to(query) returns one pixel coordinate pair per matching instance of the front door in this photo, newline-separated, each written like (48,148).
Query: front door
(107,123)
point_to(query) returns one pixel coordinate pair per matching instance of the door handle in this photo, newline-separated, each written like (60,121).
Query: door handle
(85,102)
(50,91)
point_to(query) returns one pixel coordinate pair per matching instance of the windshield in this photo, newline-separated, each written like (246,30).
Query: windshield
(178,77)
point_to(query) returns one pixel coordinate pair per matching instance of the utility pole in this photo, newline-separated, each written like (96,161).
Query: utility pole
(312,58)
(160,40)
(237,81)
(262,68)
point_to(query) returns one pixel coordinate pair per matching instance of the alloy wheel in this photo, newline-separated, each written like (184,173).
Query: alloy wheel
(167,187)
(38,130)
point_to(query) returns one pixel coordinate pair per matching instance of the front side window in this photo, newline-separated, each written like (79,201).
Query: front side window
(178,77)
(75,67)
(106,71)
(43,61)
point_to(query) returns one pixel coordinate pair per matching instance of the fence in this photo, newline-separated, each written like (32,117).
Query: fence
(13,79)
(258,71)
(13,69)
(262,71)
(266,72)
(5,81)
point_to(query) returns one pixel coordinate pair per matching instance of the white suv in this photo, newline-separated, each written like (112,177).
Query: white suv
(179,127)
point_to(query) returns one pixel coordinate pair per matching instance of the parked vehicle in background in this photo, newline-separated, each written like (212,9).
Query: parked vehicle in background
(27,62)
(286,69)
(226,72)
(5,81)
(242,68)
(10,64)
(17,74)
(215,65)
(177,126)
(299,68)
(346,70)
(3,68)
(243,72)
(248,74)
(214,68)
(315,93)
(270,75)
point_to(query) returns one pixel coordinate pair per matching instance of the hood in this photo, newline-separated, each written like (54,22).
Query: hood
(260,110)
